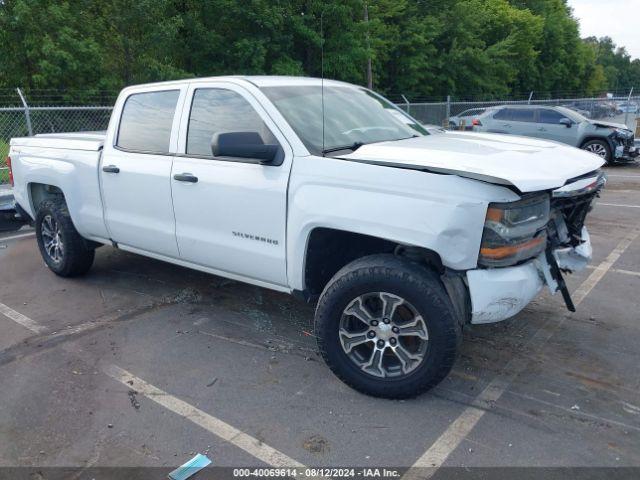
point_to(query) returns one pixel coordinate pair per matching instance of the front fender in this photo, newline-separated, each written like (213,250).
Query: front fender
(443,213)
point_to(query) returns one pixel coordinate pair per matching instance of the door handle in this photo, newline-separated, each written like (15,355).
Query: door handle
(186,177)
(111,169)
(542,129)
(506,125)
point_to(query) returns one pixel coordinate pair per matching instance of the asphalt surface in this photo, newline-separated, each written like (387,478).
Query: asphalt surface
(142,363)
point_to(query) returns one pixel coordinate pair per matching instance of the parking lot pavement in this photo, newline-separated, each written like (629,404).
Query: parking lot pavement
(141,363)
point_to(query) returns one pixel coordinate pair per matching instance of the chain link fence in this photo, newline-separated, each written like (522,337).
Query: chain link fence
(458,115)
(19,118)
(60,112)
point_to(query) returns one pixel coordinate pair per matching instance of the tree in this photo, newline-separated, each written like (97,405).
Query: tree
(422,48)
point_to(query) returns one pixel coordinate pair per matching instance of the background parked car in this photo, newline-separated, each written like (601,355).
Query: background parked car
(628,107)
(612,141)
(466,117)
(584,113)
(593,108)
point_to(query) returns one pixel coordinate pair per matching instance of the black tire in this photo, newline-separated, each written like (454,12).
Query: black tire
(76,256)
(599,145)
(412,282)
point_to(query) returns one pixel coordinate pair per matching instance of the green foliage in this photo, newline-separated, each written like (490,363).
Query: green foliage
(4,171)
(417,47)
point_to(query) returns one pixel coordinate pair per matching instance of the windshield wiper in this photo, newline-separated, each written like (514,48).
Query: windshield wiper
(353,147)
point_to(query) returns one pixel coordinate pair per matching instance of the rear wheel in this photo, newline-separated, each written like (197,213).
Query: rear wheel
(387,328)
(599,147)
(64,251)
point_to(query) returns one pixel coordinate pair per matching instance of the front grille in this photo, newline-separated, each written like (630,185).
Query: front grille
(574,210)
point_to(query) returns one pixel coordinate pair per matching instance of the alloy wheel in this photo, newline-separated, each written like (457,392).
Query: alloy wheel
(598,149)
(383,334)
(52,239)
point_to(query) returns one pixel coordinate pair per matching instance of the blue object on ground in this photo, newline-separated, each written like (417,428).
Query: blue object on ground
(193,466)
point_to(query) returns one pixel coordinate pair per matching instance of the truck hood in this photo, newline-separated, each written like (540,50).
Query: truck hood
(525,163)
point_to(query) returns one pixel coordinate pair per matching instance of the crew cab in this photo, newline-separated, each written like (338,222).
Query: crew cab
(327,191)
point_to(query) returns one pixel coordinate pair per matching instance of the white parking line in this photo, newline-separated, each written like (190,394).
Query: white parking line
(21,319)
(619,270)
(604,267)
(221,429)
(617,205)
(16,237)
(626,272)
(440,450)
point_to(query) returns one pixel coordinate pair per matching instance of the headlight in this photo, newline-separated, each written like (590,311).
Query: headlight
(514,231)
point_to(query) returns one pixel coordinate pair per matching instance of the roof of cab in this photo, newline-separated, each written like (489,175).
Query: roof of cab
(257,80)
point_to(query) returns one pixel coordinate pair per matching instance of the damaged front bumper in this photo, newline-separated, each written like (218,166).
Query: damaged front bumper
(500,293)
(624,148)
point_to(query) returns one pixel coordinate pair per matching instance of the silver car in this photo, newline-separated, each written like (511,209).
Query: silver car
(612,141)
(465,118)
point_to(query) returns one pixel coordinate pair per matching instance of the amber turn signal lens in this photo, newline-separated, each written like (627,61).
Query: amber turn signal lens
(498,253)
(495,214)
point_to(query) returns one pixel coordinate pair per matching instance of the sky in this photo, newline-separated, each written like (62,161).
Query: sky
(618,19)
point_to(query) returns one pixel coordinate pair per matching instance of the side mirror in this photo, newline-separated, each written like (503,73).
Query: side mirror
(247,145)
(566,122)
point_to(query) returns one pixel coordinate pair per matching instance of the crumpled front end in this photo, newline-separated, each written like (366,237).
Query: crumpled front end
(500,293)
(623,145)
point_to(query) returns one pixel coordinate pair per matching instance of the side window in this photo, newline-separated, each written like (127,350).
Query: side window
(145,124)
(215,110)
(523,115)
(549,116)
(503,114)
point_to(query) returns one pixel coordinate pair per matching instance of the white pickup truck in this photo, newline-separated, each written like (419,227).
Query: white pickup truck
(327,191)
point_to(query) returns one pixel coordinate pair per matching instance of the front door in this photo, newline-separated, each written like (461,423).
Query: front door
(550,128)
(135,172)
(230,212)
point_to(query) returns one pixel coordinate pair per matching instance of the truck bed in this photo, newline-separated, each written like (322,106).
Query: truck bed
(68,161)
(89,141)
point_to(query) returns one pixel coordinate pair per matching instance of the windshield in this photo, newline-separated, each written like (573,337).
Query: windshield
(353,117)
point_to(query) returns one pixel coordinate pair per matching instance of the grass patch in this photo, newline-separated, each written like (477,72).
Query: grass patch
(4,171)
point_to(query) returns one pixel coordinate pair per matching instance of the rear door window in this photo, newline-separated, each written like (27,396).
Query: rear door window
(145,124)
(503,114)
(522,115)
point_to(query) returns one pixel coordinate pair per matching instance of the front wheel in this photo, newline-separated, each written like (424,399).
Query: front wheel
(64,251)
(600,148)
(386,327)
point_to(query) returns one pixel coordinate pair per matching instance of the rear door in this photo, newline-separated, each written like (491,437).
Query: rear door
(500,121)
(230,212)
(523,122)
(135,170)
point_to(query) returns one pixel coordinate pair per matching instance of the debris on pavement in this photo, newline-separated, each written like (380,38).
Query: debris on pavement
(212,382)
(133,399)
(316,444)
(184,296)
(575,407)
(190,468)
